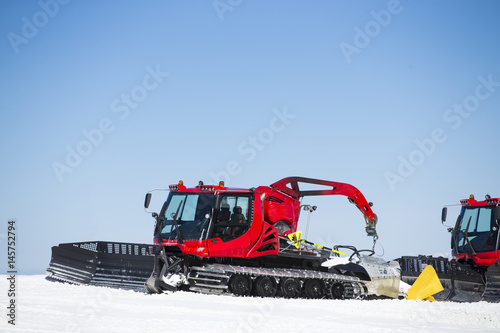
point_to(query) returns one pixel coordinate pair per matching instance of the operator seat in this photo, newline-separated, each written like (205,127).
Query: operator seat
(237,217)
(224,214)
(223,217)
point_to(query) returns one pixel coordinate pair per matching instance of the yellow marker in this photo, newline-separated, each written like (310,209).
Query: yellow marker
(322,247)
(339,252)
(295,238)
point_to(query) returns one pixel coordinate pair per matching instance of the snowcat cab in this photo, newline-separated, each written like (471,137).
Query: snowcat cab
(475,238)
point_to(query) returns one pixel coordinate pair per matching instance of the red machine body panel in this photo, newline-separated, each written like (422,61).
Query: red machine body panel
(266,212)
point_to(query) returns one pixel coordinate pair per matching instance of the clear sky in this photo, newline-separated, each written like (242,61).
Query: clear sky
(103,101)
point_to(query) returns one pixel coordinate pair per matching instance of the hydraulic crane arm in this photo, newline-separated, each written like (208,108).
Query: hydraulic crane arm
(290,186)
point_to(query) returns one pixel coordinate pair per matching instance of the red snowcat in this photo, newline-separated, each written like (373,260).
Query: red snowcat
(215,239)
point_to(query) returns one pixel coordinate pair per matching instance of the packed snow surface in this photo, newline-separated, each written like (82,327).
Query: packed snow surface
(46,306)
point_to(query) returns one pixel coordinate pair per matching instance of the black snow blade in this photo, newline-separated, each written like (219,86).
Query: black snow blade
(109,264)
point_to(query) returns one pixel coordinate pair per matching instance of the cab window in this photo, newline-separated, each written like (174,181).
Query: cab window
(233,217)
(477,229)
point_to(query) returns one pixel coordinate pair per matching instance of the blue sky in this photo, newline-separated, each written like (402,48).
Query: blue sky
(398,98)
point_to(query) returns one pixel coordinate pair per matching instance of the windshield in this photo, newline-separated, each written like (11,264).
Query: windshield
(192,212)
(477,230)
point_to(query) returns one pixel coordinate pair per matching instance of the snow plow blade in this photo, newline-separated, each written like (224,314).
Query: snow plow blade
(381,278)
(426,285)
(460,282)
(109,264)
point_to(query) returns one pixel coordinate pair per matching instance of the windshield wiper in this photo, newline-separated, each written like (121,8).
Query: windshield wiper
(466,238)
(180,237)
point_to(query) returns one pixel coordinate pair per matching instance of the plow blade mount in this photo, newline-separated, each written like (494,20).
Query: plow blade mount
(167,269)
(460,282)
(109,264)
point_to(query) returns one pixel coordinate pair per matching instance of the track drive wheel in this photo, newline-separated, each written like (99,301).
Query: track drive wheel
(265,286)
(337,291)
(240,285)
(290,287)
(314,288)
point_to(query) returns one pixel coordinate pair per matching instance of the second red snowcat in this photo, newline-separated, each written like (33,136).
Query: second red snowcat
(473,273)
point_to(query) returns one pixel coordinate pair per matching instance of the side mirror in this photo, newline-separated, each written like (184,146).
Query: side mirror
(147,200)
(444,212)
(497,213)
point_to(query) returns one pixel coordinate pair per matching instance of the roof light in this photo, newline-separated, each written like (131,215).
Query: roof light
(221,183)
(177,187)
(492,201)
(207,188)
(487,197)
(471,197)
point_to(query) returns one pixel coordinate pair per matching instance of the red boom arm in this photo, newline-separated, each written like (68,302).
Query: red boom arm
(354,195)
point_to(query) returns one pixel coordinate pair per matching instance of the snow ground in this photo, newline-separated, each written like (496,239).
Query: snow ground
(45,306)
